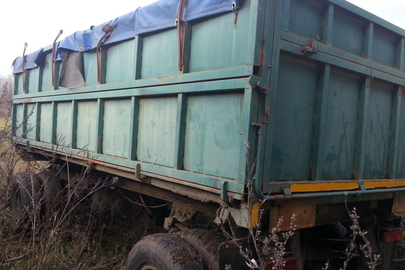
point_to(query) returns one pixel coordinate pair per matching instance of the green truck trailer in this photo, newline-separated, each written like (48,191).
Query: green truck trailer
(247,111)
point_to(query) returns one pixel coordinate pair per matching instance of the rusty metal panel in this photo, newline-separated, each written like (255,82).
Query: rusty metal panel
(304,212)
(399,203)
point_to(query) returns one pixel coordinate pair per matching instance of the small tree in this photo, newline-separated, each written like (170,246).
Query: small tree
(6,94)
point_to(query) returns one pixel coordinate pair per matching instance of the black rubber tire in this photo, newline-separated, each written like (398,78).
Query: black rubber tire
(206,243)
(23,193)
(51,188)
(163,251)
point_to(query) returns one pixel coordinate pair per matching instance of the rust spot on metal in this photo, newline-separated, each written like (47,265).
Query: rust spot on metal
(162,78)
(181,35)
(54,58)
(24,72)
(261,59)
(107,29)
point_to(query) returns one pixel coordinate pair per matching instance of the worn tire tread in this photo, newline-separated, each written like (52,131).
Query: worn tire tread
(51,188)
(23,185)
(206,243)
(165,251)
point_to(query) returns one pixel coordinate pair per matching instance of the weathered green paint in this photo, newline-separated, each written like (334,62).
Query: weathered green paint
(99,125)
(180,131)
(34,80)
(238,74)
(118,68)
(64,124)
(384,47)
(14,120)
(53,123)
(378,130)
(368,40)
(361,129)
(247,95)
(18,85)
(153,170)
(395,131)
(90,67)
(328,27)
(400,60)
(400,158)
(339,124)
(18,117)
(157,47)
(86,138)
(320,123)
(133,128)
(157,130)
(213,135)
(73,124)
(116,130)
(231,43)
(31,125)
(293,120)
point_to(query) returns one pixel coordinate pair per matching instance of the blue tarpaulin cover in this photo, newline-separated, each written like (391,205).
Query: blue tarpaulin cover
(32,60)
(157,16)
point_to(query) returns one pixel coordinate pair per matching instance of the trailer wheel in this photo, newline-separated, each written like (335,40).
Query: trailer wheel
(163,252)
(51,190)
(206,243)
(22,198)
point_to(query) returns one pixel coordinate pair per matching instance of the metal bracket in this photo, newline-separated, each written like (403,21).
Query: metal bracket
(180,213)
(107,29)
(224,192)
(138,171)
(362,189)
(287,191)
(54,49)
(24,72)
(139,176)
(310,48)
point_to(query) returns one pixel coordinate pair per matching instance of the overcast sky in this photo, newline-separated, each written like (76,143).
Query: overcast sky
(38,22)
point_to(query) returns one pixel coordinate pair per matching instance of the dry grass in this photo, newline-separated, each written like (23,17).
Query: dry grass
(3,123)
(75,236)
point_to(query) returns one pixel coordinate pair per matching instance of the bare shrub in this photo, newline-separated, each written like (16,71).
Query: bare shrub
(6,93)
(75,235)
(80,234)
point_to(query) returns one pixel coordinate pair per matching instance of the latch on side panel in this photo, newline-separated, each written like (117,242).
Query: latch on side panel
(310,48)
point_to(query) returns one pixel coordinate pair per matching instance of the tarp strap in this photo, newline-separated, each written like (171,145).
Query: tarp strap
(182,32)
(107,29)
(23,68)
(53,58)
